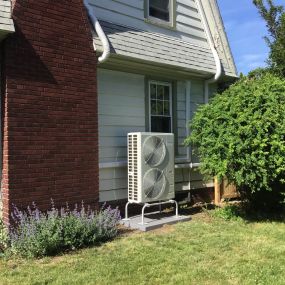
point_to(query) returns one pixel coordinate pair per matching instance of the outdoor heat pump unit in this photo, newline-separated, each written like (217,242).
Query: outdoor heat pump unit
(150,167)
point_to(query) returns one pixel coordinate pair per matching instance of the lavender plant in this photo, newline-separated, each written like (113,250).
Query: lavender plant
(37,234)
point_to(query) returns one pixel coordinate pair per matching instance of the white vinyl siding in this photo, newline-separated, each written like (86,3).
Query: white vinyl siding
(121,109)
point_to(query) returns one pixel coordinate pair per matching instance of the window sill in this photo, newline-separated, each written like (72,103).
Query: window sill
(160,23)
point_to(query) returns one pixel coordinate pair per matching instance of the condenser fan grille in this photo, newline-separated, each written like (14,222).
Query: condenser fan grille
(154,151)
(154,183)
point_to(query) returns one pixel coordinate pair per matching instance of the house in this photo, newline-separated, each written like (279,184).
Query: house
(163,61)
(66,115)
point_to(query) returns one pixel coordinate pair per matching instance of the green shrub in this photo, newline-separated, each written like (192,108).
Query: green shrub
(228,212)
(3,237)
(37,234)
(240,135)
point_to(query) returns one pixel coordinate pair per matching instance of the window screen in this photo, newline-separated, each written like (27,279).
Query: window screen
(160,9)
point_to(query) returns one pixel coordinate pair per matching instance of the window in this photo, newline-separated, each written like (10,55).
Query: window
(160,106)
(160,11)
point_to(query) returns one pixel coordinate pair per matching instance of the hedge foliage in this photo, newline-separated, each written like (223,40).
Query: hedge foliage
(240,134)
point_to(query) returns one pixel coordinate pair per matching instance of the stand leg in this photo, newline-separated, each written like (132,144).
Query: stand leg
(176,209)
(126,211)
(146,205)
(189,197)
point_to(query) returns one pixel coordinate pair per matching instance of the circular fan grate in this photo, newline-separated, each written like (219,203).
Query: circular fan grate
(154,183)
(154,151)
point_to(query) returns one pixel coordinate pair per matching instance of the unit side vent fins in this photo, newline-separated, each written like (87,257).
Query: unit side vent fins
(133,166)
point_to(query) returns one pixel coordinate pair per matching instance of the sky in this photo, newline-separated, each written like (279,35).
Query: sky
(246,30)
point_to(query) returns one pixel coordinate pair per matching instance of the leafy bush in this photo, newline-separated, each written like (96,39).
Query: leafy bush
(228,212)
(37,234)
(240,135)
(3,237)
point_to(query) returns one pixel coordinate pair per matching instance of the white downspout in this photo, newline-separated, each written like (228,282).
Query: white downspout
(207,82)
(102,36)
(214,51)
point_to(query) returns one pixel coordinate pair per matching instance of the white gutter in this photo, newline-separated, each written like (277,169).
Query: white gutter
(102,36)
(214,51)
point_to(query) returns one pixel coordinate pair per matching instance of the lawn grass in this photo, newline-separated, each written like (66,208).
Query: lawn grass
(206,250)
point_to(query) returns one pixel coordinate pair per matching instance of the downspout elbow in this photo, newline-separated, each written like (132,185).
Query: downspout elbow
(218,68)
(216,76)
(101,34)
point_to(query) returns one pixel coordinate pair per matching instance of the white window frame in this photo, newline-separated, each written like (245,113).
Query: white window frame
(158,21)
(170,102)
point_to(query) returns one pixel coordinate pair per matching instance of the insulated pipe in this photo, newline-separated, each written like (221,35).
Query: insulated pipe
(102,36)
(214,51)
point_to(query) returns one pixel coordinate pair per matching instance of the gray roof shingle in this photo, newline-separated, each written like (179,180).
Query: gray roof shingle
(6,22)
(155,48)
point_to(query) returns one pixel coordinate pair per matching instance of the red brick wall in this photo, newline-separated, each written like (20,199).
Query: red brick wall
(49,115)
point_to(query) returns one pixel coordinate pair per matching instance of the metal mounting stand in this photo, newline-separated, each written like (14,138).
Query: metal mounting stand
(147,205)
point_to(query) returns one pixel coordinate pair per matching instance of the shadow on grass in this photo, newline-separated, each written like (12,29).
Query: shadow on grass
(242,210)
(234,210)
(250,215)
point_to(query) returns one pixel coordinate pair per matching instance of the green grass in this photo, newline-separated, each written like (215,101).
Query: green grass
(206,250)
